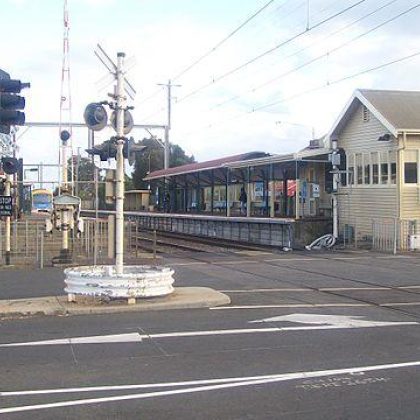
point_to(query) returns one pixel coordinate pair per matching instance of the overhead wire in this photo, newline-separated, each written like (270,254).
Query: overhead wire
(311,61)
(342,79)
(220,43)
(269,51)
(310,90)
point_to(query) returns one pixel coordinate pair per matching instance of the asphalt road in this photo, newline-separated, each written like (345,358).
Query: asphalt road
(307,336)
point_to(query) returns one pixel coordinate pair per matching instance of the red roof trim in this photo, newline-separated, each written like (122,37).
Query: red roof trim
(202,166)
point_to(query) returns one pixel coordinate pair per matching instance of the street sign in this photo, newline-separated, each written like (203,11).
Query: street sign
(5,205)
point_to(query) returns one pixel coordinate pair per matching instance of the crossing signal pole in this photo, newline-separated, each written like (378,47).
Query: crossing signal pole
(122,121)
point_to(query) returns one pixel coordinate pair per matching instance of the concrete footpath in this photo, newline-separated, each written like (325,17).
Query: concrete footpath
(181,298)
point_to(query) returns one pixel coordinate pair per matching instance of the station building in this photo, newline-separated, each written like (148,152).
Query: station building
(380,134)
(378,138)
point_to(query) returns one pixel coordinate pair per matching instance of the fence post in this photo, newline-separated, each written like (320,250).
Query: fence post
(395,235)
(36,239)
(355,234)
(15,234)
(41,263)
(154,245)
(95,241)
(26,239)
(137,236)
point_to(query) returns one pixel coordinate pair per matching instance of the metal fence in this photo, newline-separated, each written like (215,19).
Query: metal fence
(382,234)
(31,244)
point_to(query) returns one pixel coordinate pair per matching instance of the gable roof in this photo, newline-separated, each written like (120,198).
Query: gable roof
(203,166)
(397,110)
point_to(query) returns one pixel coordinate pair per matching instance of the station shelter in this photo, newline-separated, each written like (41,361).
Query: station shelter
(254,184)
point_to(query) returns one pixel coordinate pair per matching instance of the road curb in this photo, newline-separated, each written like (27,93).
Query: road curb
(181,298)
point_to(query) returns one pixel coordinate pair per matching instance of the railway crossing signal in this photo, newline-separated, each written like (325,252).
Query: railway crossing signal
(108,150)
(10,165)
(11,103)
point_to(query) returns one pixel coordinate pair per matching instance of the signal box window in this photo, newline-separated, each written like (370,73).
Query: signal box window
(375,168)
(410,167)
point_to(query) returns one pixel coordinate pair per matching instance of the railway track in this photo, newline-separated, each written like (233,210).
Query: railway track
(166,241)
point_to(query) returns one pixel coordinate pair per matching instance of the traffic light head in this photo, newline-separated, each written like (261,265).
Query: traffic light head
(10,102)
(10,165)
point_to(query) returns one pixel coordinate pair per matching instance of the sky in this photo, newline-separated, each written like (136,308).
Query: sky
(263,85)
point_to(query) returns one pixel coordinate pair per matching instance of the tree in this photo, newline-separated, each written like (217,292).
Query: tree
(152,159)
(84,175)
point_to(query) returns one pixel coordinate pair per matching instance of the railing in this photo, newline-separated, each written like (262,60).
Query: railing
(30,244)
(387,234)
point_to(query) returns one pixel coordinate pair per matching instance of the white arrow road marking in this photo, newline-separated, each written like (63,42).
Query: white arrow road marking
(338,321)
(115,338)
(233,383)
(322,322)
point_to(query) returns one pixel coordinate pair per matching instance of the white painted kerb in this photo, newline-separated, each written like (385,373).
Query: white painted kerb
(136,281)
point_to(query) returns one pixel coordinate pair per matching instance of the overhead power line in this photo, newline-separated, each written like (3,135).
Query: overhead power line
(315,59)
(212,49)
(311,90)
(271,50)
(220,43)
(333,82)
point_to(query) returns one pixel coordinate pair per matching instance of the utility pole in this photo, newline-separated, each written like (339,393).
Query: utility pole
(169,87)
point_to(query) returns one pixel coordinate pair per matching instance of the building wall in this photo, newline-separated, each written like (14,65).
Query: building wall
(317,202)
(410,197)
(376,195)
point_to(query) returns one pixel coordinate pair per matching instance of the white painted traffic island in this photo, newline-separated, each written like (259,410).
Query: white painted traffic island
(136,281)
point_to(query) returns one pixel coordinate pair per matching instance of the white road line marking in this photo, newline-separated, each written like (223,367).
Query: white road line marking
(329,322)
(322,289)
(322,258)
(96,339)
(188,263)
(400,304)
(233,383)
(237,262)
(349,289)
(292,259)
(295,305)
(343,321)
(265,290)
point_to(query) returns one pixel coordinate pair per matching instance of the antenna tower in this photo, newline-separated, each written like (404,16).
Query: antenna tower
(65,126)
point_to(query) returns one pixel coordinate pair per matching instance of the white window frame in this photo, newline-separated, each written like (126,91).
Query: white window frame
(411,184)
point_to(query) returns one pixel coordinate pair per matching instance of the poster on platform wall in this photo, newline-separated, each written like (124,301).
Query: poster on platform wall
(259,190)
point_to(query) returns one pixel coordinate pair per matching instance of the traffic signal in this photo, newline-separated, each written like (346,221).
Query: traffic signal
(95,116)
(10,165)
(106,150)
(10,102)
(131,149)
